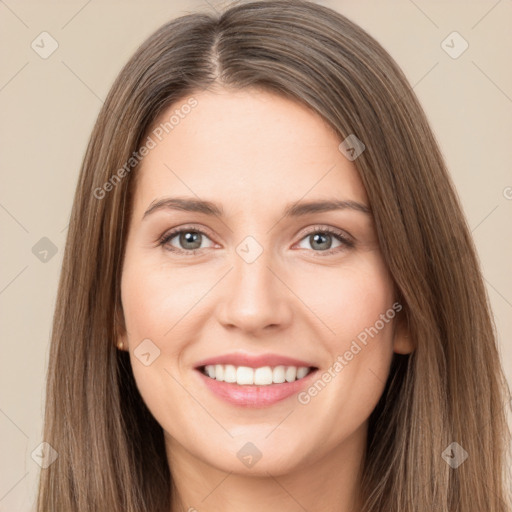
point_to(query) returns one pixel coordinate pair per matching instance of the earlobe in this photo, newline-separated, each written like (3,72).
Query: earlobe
(120,329)
(121,341)
(402,345)
(402,339)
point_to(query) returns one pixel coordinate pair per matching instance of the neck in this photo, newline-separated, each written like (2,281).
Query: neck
(330,483)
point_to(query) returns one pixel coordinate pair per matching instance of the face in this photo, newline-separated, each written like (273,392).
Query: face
(257,327)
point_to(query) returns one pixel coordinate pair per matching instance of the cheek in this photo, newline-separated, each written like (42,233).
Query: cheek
(360,352)
(355,303)
(350,298)
(155,299)
(153,304)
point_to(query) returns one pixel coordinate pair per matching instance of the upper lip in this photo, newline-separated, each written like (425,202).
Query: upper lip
(254,361)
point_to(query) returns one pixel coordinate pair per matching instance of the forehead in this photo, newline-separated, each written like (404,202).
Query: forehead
(248,148)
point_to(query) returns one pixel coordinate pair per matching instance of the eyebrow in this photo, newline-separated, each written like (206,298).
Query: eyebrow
(296,209)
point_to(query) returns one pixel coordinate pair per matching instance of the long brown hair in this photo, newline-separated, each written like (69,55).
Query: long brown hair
(450,389)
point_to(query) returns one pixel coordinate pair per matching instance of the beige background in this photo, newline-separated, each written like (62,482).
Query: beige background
(49,107)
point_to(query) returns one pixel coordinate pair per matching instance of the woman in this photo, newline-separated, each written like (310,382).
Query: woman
(325,342)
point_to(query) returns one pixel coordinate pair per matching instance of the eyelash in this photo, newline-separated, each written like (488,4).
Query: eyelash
(346,243)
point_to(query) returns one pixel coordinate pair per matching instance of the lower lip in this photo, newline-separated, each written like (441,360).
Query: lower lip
(255,396)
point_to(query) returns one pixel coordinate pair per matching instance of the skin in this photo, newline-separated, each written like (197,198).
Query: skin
(254,152)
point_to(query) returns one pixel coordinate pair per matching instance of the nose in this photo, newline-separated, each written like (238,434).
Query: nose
(255,298)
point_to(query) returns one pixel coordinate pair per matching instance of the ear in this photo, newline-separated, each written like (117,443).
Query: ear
(402,340)
(120,330)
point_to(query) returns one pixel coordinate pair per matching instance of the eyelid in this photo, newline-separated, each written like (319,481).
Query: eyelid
(320,228)
(346,240)
(171,233)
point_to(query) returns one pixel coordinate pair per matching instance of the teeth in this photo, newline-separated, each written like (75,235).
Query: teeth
(302,372)
(229,373)
(219,370)
(278,374)
(290,374)
(244,375)
(264,376)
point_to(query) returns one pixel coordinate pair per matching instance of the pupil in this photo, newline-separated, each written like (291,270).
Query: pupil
(319,236)
(190,237)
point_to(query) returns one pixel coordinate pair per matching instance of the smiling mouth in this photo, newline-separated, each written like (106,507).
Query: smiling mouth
(262,376)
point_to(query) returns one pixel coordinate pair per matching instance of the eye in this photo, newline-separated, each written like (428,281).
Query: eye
(188,239)
(321,240)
